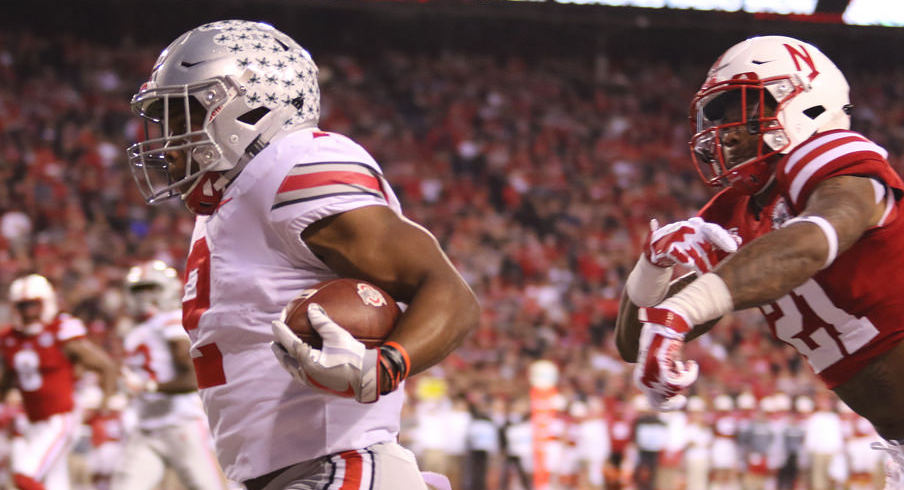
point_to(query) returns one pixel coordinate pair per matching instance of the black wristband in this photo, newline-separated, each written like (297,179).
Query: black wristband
(394,361)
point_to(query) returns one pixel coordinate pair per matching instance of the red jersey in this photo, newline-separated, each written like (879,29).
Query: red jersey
(106,428)
(43,373)
(850,312)
(621,433)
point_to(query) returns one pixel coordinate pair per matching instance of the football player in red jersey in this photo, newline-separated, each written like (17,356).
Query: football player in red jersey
(37,353)
(817,210)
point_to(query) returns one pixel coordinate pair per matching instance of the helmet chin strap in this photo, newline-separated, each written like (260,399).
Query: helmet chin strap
(250,152)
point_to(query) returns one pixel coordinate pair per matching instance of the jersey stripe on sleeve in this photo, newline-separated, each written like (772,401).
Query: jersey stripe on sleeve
(309,181)
(824,151)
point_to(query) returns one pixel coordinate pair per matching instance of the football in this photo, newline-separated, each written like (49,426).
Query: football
(365,310)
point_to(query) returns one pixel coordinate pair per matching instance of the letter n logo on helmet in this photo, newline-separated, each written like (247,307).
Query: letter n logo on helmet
(802,55)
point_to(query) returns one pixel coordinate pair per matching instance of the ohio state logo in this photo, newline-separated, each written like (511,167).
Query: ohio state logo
(370,296)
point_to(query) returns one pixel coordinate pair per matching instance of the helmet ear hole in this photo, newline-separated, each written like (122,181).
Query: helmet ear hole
(254,115)
(815,111)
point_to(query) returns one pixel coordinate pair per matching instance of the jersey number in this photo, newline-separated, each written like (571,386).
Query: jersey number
(207,358)
(28,370)
(823,346)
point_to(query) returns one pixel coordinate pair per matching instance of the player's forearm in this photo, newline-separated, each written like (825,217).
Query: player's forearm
(772,265)
(627,329)
(841,210)
(183,383)
(441,313)
(97,360)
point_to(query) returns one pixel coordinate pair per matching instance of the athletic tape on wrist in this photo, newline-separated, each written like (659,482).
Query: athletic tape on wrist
(705,299)
(827,229)
(647,284)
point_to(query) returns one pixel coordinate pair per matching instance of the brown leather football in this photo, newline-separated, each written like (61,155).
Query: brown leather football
(365,310)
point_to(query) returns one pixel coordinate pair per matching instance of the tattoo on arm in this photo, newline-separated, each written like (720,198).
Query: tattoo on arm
(774,264)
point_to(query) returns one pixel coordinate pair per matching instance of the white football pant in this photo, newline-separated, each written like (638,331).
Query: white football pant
(185,448)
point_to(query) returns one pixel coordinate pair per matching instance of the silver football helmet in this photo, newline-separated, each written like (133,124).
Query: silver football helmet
(218,94)
(152,287)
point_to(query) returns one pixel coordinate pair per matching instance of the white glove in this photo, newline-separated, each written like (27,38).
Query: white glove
(694,243)
(136,382)
(342,366)
(660,373)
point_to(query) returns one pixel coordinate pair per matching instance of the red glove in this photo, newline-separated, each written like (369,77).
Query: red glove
(660,372)
(693,243)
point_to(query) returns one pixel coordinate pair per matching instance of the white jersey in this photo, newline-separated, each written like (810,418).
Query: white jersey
(247,261)
(148,356)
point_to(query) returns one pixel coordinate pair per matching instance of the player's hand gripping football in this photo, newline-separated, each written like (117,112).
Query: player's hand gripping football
(343,366)
(694,243)
(660,373)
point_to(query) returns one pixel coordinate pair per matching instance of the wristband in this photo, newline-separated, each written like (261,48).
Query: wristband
(395,361)
(827,229)
(647,284)
(705,299)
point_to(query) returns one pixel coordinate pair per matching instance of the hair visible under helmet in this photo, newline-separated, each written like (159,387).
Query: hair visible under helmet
(250,81)
(809,94)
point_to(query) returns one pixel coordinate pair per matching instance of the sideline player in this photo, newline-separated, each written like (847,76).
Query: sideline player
(171,428)
(282,206)
(36,351)
(817,207)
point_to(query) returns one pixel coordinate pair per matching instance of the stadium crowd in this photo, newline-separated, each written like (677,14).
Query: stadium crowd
(538,177)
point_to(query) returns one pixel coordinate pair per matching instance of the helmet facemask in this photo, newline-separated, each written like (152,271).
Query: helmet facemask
(738,132)
(178,119)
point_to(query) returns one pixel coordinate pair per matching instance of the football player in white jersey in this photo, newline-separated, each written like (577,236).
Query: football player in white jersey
(171,429)
(232,109)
